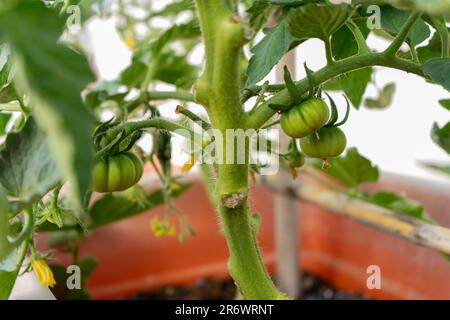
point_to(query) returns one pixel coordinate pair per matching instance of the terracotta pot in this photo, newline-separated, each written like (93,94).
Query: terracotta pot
(132,259)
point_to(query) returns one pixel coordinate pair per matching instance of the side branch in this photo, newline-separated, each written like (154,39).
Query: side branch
(263,113)
(401,36)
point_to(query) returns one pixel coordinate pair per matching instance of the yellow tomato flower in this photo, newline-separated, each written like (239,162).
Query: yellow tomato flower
(163,228)
(43,273)
(189,164)
(129,42)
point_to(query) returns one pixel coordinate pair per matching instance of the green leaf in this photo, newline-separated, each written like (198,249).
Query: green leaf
(258,14)
(269,51)
(174,8)
(392,21)
(116,207)
(432,50)
(317,20)
(398,203)
(343,41)
(8,94)
(9,270)
(106,90)
(445,103)
(439,71)
(384,100)
(438,167)
(27,168)
(86,265)
(176,70)
(344,45)
(4,119)
(290,2)
(441,136)
(352,169)
(163,63)
(53,77)
(354,85)
(434,7)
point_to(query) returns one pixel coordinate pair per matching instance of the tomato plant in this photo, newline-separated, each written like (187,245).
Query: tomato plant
(59,136)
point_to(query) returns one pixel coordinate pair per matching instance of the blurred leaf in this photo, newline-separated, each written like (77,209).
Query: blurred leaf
(165,65)
(352,169)
(9,270)
(61,291)
(258,14)
(5,245)
(445,103)
(430,51)
(392,21)
(115,207)
(384,100)
(398,203)
(106,90)
(439,71)
(176,70)
(317,20)
(438,167)
(174,8)
(266,53)
(4,119)
(8,94)
(53,77)
(290,2)
(441,136)
(434,7)
(27,169)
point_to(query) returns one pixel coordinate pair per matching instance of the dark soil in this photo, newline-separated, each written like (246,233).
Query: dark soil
(314,288)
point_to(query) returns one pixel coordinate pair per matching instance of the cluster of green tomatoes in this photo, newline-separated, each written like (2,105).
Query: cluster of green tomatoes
(310,121)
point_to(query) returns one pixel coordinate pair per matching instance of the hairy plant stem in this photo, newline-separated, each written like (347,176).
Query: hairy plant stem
(403,33)
(218,90)
(264,113)
(147,96)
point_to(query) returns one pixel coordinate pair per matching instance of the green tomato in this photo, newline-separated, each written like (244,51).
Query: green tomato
(117,172)
(327,143)
(305,118)
(296,160)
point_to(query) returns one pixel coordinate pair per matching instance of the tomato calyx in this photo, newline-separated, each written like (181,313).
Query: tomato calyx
(334,113)
(295,94)
(107,143)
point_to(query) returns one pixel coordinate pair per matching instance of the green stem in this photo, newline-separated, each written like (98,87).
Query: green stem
(159,95)
(261,115)
(401,36)
(218,90)
(245,264)
(414,56)
(328,51)
(189,114)
(153,123)
(359,37)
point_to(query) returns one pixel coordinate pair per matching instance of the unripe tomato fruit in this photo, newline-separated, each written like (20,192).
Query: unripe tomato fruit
(328,143)
(117,172)
(305,118)
(296,160)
